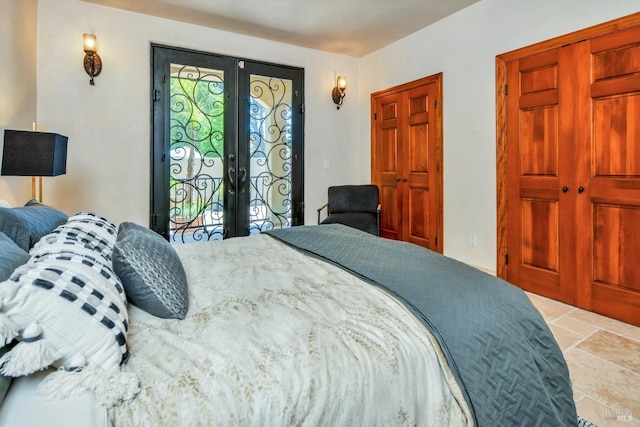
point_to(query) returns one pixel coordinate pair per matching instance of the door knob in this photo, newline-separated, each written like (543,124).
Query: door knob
(397,179)
(404,179)
(565,189)
(580,189)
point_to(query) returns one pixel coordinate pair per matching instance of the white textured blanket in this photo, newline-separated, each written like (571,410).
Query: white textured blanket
(276,338)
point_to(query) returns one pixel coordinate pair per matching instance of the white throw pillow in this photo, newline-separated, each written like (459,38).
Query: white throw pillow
(68,309)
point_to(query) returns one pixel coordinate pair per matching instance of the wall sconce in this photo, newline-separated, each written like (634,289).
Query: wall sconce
(92,62)
(338,92)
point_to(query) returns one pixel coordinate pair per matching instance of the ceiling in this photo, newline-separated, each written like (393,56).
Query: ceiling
(349,27)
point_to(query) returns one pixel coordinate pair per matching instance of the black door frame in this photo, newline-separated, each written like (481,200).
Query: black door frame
(236,155)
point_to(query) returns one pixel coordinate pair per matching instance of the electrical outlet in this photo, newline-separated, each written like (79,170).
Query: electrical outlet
(473,239)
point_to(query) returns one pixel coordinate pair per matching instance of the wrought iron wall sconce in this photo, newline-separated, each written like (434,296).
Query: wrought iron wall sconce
(92,62)
(338,92)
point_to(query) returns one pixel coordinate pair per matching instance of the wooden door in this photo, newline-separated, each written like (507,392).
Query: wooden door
(419,167)
(570,152)
(611,180)
(406,161)
(538,170)
(387,155)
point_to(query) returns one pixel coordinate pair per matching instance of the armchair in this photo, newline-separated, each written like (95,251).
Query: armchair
(356,206)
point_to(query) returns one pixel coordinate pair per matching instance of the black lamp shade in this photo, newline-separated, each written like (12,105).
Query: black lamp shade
(34,153)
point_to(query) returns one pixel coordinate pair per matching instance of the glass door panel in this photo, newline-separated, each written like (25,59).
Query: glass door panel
(196,153)
(270,153)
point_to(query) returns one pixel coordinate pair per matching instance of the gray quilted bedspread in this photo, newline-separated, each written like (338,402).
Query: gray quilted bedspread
(502,352)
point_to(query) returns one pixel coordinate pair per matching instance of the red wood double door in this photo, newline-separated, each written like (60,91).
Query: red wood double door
(406,160)
(573,173)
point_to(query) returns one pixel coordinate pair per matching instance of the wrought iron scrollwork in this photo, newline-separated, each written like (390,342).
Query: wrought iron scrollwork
(270,153)
(196,149)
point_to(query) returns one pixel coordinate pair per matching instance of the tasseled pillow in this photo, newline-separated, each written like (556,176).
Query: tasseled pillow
(67,308)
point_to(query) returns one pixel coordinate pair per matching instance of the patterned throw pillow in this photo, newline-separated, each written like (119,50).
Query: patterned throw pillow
(68,309)
(152,273)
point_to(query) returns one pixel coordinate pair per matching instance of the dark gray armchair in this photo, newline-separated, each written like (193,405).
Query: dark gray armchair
(356,206)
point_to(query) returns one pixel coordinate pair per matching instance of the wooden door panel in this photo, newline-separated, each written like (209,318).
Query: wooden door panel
(540,264)
(539,132)
(616,132)
(387,162)
(418,145)
(615,285)
(535,228)
(612,192)
(417,171)
(419,232)
(420,150)
(389,217)
(389,149)
(616,54)
(540,234)
(418,220)
(616,249)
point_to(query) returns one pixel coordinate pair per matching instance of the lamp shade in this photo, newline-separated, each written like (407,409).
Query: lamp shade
(34,153)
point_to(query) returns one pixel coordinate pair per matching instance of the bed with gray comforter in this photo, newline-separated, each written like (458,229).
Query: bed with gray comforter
(501,351)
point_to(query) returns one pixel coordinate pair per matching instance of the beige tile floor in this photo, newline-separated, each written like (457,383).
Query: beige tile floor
(603,355)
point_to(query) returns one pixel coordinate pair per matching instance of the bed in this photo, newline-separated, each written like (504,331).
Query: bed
(314,325)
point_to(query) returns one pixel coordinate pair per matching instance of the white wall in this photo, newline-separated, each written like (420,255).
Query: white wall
(108,125)
(18,49)
(463,47)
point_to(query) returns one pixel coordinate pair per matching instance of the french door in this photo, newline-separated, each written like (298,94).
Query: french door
(227,146)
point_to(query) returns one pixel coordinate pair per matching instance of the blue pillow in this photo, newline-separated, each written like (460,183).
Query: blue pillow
(11,256)
(151,272)
(26,225)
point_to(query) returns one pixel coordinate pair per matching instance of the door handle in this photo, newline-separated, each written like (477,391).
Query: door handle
(404,179)
(397,179)
(231,172)
(565,189)
(580,189)
(242,179)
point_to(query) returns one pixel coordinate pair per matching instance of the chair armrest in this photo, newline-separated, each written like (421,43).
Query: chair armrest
(379,207)
(320,208)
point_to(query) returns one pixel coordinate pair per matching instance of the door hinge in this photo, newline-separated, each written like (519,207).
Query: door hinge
(164,78)
(375,116)
(506,89)
(436,241)
(155,95)
(435,103)
(506,259)
(301,108)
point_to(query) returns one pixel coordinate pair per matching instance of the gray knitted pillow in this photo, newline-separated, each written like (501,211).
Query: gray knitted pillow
(151,272)
(11,256)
